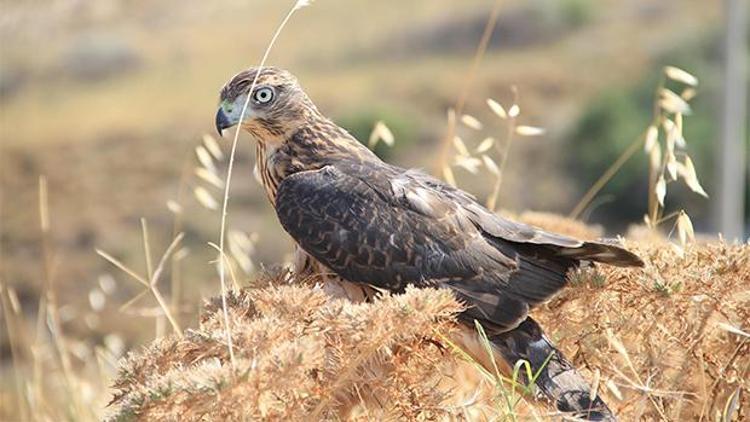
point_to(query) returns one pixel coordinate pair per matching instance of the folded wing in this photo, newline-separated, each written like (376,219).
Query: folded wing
(379,225)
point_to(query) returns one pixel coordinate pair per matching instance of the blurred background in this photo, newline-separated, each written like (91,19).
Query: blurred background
(108,100)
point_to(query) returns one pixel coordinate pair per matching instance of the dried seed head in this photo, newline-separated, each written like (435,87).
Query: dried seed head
(685,229)
(302,3)
(491,165)
(213,147)
(470,164)
(205,198)
(497,108)
(205,159)
(458,143)
(485,145)
(209,177)
(380,133)
(661,190)
(688,94)
(655,158)
(523,130)
(691,178)
(514,111)
(173,206)
(471,122)
(679,75)
(673,103)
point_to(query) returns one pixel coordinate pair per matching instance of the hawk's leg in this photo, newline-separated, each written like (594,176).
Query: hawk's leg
(558,380)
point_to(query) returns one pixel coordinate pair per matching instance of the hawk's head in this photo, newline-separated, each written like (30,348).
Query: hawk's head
(277,103)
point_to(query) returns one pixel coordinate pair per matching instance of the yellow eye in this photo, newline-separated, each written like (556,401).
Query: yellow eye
(263,95)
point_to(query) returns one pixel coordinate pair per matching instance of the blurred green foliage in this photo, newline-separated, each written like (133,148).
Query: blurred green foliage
(568,14)
(576,13)
(608,125)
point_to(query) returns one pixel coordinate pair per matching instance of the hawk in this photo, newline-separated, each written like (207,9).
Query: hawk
(376,226)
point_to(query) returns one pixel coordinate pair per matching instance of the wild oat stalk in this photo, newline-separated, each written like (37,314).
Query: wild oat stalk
(664,167)
(297,5)
(444,158)
(512,128)
(472,160)
(669,111)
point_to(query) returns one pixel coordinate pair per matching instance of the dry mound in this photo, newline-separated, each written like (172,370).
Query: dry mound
(299,355)
(668,342)
(662,337)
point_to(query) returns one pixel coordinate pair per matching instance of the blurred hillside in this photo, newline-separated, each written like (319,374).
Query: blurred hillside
(108,100)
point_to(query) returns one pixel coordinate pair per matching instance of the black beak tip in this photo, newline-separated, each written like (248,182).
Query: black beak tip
(222,122)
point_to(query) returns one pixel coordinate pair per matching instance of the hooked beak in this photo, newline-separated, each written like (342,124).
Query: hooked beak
(222,121)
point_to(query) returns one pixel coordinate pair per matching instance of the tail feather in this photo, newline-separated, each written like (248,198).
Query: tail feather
(604,251)
(558,380)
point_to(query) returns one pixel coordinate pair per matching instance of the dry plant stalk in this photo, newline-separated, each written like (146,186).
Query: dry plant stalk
(481,156)
(241,245)
(50,305)
(149,282)
(48,365)
(664,167)
(664,142)
(11,314)
(222,229)
(443,163)
(673,348)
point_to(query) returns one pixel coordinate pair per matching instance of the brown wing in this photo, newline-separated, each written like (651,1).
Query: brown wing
(371,224)
(492,225)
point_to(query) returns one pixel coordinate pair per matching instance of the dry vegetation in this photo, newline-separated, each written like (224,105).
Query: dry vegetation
(663,343)
(299,354)
(661,334)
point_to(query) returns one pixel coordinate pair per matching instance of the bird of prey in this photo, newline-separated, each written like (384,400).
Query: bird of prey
(376,225)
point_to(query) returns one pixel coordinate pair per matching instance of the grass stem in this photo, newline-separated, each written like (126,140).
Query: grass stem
(607,176)
(489,28)
(228,180)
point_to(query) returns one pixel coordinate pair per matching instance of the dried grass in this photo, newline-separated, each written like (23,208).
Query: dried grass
(298,353)
(675,360)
